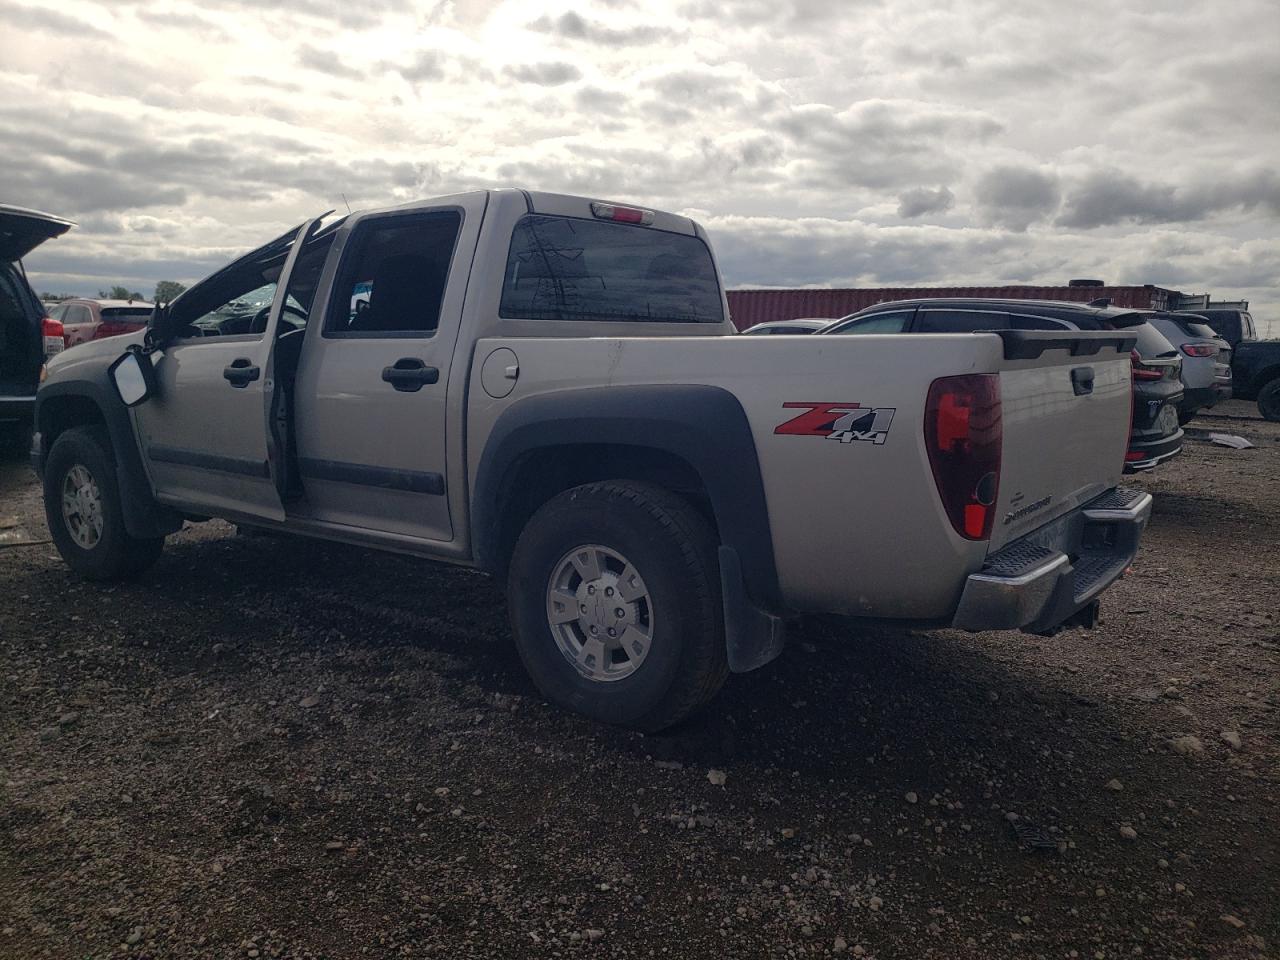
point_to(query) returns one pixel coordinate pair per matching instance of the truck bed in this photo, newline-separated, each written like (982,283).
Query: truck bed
(859,506)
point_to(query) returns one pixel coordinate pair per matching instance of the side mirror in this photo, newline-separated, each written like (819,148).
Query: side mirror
(158,325)
(134,377)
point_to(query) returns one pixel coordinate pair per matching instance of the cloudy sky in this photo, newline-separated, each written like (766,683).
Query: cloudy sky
(854,143)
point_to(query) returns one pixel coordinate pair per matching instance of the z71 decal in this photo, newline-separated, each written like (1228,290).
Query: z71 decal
(845,422)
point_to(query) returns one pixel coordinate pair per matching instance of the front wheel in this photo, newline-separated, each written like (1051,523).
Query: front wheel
(82,508)
(1269,401)
(614,597)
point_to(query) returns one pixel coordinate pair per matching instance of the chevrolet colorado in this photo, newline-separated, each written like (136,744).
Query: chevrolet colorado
(545,387)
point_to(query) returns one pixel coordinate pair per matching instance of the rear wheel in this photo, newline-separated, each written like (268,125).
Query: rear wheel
(614,596)
(1186,416)
(82,508)
(1269,400)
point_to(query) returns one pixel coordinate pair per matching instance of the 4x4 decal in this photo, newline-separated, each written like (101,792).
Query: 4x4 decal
(845,422)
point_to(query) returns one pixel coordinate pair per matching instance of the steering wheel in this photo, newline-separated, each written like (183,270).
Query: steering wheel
(259,322)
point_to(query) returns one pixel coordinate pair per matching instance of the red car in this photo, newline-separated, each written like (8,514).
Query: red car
(84,320)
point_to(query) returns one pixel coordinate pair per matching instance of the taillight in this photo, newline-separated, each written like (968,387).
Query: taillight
(1133,412)
(1199,349)
(611,211)
(53,335)
(109,329)
(963,433)
(1141,371)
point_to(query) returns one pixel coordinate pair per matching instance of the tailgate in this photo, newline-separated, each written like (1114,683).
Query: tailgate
(1066,403)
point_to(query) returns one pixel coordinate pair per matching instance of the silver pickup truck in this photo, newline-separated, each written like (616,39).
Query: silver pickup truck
(545,387)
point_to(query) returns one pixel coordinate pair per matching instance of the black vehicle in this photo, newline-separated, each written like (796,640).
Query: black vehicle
(27,335)
(1234,325)
(1255,364)
(1155,434)
(1255,369)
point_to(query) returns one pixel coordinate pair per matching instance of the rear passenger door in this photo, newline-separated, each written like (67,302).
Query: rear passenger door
(370,412)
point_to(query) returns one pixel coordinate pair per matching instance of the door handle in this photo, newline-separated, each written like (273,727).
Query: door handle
(408,374)
(241,373)
(1082,380)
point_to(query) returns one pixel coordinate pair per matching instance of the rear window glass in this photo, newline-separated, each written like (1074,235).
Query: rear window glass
(560,268)
(126,313)
(1151,342)
(1193,328)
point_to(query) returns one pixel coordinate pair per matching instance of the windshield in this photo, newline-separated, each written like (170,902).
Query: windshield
(561,268)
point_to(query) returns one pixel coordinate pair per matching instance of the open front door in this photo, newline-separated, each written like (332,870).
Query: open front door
(206,434)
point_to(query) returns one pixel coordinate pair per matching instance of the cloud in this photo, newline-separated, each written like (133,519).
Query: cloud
(1016,197)
(882,144)
(551,74)
(322,61)
(422,66)
(1107,197)
(824,143)
(920,201)
(186,21)
(573,26)
(598,100)
(764,12)
(48,21)
(341,12)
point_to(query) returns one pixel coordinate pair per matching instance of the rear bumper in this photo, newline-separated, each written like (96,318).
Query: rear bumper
(1151,452)
(1037,582)
(1202,398)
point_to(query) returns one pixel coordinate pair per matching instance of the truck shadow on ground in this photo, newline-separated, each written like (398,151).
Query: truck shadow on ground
(879,708)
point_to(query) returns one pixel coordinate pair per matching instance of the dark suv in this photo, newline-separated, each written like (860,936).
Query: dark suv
(1155,434)
(27,335)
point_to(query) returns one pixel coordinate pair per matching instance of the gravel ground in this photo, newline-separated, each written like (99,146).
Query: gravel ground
(277,748)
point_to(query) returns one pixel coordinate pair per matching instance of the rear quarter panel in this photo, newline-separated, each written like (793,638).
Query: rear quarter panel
(857,526)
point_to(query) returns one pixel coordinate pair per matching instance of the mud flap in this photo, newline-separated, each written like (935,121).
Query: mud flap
(753,637)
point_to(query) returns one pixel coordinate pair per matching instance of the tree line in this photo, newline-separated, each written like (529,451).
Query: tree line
(166,291)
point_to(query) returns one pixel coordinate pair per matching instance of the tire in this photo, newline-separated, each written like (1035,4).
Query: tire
(92,540)
(1185,417)
(671,550)
(1269,401)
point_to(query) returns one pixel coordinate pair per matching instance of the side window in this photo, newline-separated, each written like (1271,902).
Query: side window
(961,321)
(1036,323)
(244,313)
(79,313)
(893,322)
(392,278)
